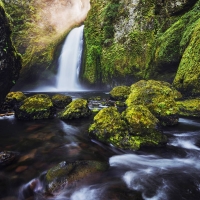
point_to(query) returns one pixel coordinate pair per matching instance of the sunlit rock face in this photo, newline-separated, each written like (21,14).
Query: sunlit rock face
(39,29)
(10,63)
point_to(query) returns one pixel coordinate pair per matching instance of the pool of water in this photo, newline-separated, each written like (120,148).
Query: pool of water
(167,173)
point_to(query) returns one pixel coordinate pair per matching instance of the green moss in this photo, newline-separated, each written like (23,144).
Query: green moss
(66,174)
(158,97)
(60,100)
(76,109)
(189,108)
(120,92)
(188,74)
(18,96)
(35,107)
(136,127)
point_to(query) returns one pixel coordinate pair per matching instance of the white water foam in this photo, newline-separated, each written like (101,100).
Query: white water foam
(148,174)
(70,61)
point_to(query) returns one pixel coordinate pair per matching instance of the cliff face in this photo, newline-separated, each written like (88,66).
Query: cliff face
(10,62)
(39,27)
(127,40)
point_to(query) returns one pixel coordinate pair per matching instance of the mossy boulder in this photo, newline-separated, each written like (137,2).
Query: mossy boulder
(120,93)
(189,108)
(68,174)
(38,106)
(76,109)
(159,98)
(61,101)
(13,98)
(134,128)
(108,127)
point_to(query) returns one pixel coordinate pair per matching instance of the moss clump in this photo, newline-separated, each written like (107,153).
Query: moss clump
(120,93)
(108,127)
(67,174)
(61,101)
(13,98)
(136,127)
(76,109)
(158,97)
(189,108)
(188,74)
(35,107)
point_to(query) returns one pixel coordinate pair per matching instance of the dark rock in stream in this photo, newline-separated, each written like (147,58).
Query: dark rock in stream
(68,174)
(7,157)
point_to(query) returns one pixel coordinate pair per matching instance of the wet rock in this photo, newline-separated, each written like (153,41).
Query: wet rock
(159,97)
(120,93)
(61,101)
(35,107)
(10,61)
(68,174)
(7,157)
(21,169)
(76,109)
(134,128)
(189,108)
(13,98)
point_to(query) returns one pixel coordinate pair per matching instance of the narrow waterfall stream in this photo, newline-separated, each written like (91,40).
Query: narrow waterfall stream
(70,61)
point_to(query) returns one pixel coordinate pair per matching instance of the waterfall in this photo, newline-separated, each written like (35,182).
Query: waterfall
(70,61)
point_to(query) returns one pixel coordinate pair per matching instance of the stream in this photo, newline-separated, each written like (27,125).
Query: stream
(165,173)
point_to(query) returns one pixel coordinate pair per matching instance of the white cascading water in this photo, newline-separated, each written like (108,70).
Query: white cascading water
(70,61)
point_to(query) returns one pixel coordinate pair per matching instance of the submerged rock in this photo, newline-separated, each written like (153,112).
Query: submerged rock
(189,108)
(76,109)
(159,97)
(134,128)
(7,157)
(38,106)
(120,93)
(68,174)
(61,101)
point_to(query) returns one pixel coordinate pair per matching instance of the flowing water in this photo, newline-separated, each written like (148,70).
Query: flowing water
(166,173)
(70,61)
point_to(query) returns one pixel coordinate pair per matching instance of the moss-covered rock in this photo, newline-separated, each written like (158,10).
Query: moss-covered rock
(76,109)
(131,40)
(187,79)
(108,127)
(136,127)
(61,101)
(143,127)
(10,61)
(158,97)
(68,174)
(13,98)
(189,108)
(38,106)
(120,93)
